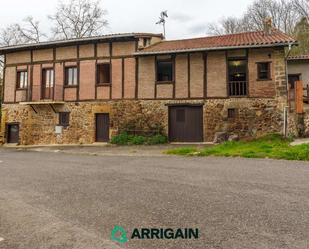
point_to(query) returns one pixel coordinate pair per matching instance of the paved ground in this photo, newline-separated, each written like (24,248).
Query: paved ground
(109,150)
(63,201)
(300,141)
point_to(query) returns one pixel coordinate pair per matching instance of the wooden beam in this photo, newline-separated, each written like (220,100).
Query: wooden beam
(299,97)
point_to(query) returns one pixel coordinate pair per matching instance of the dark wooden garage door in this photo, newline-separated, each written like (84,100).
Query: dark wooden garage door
(186,124)
(102,127)
(13,133)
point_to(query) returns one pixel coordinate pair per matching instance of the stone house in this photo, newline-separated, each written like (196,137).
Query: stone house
(298,69)
(85,90)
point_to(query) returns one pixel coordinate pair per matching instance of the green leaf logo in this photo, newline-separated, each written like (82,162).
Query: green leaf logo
(123,234)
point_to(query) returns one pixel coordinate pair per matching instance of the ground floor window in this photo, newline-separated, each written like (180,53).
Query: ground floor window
(64,119)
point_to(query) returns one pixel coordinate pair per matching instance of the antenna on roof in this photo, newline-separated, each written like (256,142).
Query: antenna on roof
(162,20)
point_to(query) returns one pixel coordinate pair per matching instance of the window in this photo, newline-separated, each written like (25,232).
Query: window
(165,70)
(103,71)
(22,79)
(64,119)
(237,77)
(231,113)
(48,77)
(71,76)
(237,70)
(146,42)
(264,71)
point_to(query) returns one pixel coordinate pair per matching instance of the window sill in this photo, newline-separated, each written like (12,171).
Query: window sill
(263,79)
(164,82)
(75,86)
(103,84)
(64,126)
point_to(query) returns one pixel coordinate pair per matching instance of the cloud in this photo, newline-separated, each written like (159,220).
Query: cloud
(199,28)
(180,17)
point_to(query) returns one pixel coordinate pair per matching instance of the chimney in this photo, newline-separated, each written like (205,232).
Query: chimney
(268,26)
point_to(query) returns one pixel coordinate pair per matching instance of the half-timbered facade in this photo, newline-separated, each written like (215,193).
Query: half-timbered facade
(86,90)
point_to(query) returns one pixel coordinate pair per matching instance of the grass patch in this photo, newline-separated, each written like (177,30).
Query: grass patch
(182,151)
(270,146)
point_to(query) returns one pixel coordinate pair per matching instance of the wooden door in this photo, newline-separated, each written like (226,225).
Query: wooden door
(292,79)
(102,127)
(13,133)
(186,124)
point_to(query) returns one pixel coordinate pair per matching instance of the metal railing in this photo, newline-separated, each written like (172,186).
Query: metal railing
(39,93)
(238,88)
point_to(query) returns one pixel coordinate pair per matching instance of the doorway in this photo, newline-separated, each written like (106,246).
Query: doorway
(13,133)
(102,127)
(186,123)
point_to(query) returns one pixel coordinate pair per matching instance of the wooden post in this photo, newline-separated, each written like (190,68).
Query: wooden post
(299,97)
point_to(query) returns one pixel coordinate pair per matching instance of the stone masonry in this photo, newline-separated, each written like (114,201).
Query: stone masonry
(254,117)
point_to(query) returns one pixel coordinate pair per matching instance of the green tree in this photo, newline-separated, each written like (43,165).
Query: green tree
(301,33)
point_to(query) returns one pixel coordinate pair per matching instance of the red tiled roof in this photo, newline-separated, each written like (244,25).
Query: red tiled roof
(248,39)
(299,57)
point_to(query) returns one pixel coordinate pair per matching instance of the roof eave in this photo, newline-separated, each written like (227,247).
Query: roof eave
(285,44)
(64,43)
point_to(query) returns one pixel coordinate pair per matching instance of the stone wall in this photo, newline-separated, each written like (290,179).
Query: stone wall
(298,124)
(255,117)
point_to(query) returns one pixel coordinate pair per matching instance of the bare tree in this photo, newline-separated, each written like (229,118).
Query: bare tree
(27,32)
(227,25)
(282,12)
(30,31)
(302,6)
(10,35)
(79,18)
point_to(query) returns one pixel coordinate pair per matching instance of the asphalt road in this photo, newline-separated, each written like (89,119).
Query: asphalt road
(63,201)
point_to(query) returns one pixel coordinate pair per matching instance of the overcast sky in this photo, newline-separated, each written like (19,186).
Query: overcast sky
(186,18)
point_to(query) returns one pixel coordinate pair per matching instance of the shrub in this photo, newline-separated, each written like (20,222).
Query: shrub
(125,139)
(157,139)
(121,139)
(137,140)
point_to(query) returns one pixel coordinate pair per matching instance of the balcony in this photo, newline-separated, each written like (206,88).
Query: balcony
(38,95)
(238,88)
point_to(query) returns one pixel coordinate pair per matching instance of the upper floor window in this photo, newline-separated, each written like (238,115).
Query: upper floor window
(165,70)
(146,42)
(22,79)
(263,71)
(103,74)
(48,77)
(71,76)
